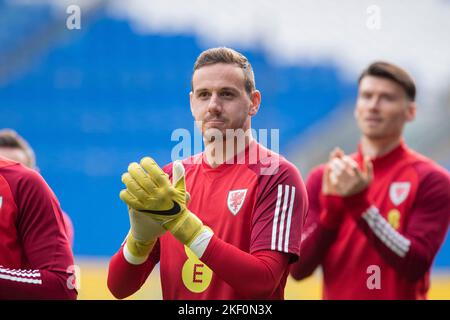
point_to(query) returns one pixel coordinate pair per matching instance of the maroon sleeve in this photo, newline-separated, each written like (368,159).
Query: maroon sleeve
(69,228)
(262,271)
(411,252)
(320,230)
(45,246)
(124,278)
(279,211)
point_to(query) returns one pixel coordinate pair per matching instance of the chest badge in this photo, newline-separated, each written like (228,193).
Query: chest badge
(399,191)
(235,200)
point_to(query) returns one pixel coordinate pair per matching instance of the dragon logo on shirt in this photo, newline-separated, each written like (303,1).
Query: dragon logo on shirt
(235,200)
(399,191)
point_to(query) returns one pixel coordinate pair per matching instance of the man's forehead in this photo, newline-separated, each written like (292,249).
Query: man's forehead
(372,83)
(217,76)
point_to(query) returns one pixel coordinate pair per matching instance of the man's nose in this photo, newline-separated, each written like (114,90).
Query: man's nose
(214,105)
(374,103)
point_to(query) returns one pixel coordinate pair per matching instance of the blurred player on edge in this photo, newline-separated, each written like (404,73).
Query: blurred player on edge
(377,217)
(14,147)
(35,253)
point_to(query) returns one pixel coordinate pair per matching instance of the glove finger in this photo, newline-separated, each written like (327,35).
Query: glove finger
(178,174)
(158,176)
(141,177)
(134,187)
(179,183)
(133,202)
(130,200)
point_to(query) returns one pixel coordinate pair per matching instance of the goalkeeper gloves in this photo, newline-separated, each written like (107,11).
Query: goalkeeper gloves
(149,191)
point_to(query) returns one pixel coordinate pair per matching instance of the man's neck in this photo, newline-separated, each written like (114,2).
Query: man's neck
(217,153)
(374,148)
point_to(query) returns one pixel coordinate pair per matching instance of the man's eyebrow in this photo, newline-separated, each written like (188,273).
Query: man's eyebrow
(368,90)
(229,88)
(220,89)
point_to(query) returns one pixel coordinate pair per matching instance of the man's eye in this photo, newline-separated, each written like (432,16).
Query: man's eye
(388,98)
(203,94)
(226,94)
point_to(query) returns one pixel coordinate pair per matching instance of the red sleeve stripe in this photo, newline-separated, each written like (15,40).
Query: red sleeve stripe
(385,232)
(19,275)
(278,231)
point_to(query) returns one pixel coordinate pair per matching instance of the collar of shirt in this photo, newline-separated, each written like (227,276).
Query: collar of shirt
(387,159)
(242,158)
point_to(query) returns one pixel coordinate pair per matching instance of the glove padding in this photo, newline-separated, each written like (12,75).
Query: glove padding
(149,191)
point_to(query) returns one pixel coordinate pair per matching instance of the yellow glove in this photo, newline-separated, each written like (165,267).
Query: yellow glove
(149,191)
(144,231)
(141,238)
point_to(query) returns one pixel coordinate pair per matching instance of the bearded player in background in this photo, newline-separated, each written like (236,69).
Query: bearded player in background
(377,217)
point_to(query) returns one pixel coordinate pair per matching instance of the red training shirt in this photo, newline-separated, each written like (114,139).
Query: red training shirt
(35,255)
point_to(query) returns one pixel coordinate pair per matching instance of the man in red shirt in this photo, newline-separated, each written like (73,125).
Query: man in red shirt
(16,148)
(35,254)
(241,228)
(377,217)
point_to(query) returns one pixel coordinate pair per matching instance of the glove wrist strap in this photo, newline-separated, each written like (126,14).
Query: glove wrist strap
(185,228)
(136,252)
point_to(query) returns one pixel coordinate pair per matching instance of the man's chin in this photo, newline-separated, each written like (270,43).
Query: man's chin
(213,134)
(374,134)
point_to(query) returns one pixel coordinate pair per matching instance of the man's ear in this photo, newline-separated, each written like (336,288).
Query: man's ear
(411,111)
(256,102)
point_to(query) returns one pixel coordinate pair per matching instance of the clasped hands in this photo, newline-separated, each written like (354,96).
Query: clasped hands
(343,176)
(155,205)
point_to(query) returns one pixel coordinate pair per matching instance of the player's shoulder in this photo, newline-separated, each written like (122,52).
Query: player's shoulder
(272,163)
(427,169)
(21,178)
(273,169)
(9,171)
(13,170)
